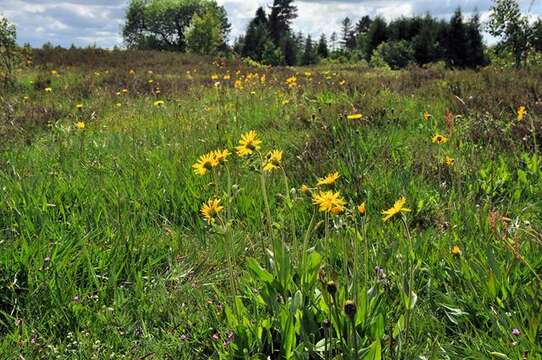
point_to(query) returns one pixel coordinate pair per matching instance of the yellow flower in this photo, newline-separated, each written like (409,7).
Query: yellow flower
(131,72)
(159,103)
(291,81)
(522,111)
(25,98)
(79,125)
(238,85)
(274,159)
(397,208)
(119,105)
(426,115)
(456,250)
(205,163)
(79,106)
(305,189)
(227,77)
(355,117)
(221,155)
(125,91)
(362,209)
(210,210)
(329,201)
(48,90)
(330,179)
(150,81)
(285,102)
(448,161)
(439,139)
(214,77)
(248,144)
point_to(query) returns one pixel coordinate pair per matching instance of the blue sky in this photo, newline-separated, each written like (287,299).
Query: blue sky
(85,22)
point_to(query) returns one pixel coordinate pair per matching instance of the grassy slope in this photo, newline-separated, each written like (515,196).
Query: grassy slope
(103,251)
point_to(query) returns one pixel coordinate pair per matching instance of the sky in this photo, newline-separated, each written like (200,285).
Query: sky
(87,22)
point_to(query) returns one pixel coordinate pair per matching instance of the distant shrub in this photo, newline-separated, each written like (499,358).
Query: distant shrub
(397,54)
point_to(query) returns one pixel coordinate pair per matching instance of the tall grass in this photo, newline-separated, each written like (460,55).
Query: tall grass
(104,253)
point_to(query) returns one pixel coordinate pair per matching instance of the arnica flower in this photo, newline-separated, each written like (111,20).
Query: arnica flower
(362,209)
(329,201)
(248,144)
(25,98)
(79,125)
(397,208)
(330,179)
(79,106)
(227,77)
(221,156)
(439,139)
(48,90)
(150,81)
(214,77)
(355,117)
(131,72)
(448,161)
(426,116)
(522,111)
(159,103)
(456,251)
(124,91)
(205,163)
(211,209)
(305,189)
(274,158)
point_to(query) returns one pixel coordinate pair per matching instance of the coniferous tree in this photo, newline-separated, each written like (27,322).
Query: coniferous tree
(537,35)
(333,40)
(290,51)
(347,34)
(256,36)
(425,43)
(280,18)
(363,25)
(475,56)
(323,50)
(309,54)
(456,41)
(377,35)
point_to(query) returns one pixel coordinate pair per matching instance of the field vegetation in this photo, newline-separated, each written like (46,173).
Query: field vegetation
(164,206)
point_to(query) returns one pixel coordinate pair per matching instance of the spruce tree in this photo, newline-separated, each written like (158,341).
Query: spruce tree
(323,50)
(280,18)
(475,56)
(457,41)
(257,36)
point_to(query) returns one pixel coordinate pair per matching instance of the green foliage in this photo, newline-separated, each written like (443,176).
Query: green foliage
(10,54)
(163,24)
(397,54)
(507,23)
(103,253)
(204,35)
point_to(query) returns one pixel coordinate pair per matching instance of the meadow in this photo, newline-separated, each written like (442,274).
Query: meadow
(162,206)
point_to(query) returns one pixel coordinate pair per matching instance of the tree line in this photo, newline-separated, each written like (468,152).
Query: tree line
(415,40)
(202,27)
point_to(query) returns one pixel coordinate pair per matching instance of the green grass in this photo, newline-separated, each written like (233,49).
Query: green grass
(103,253)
